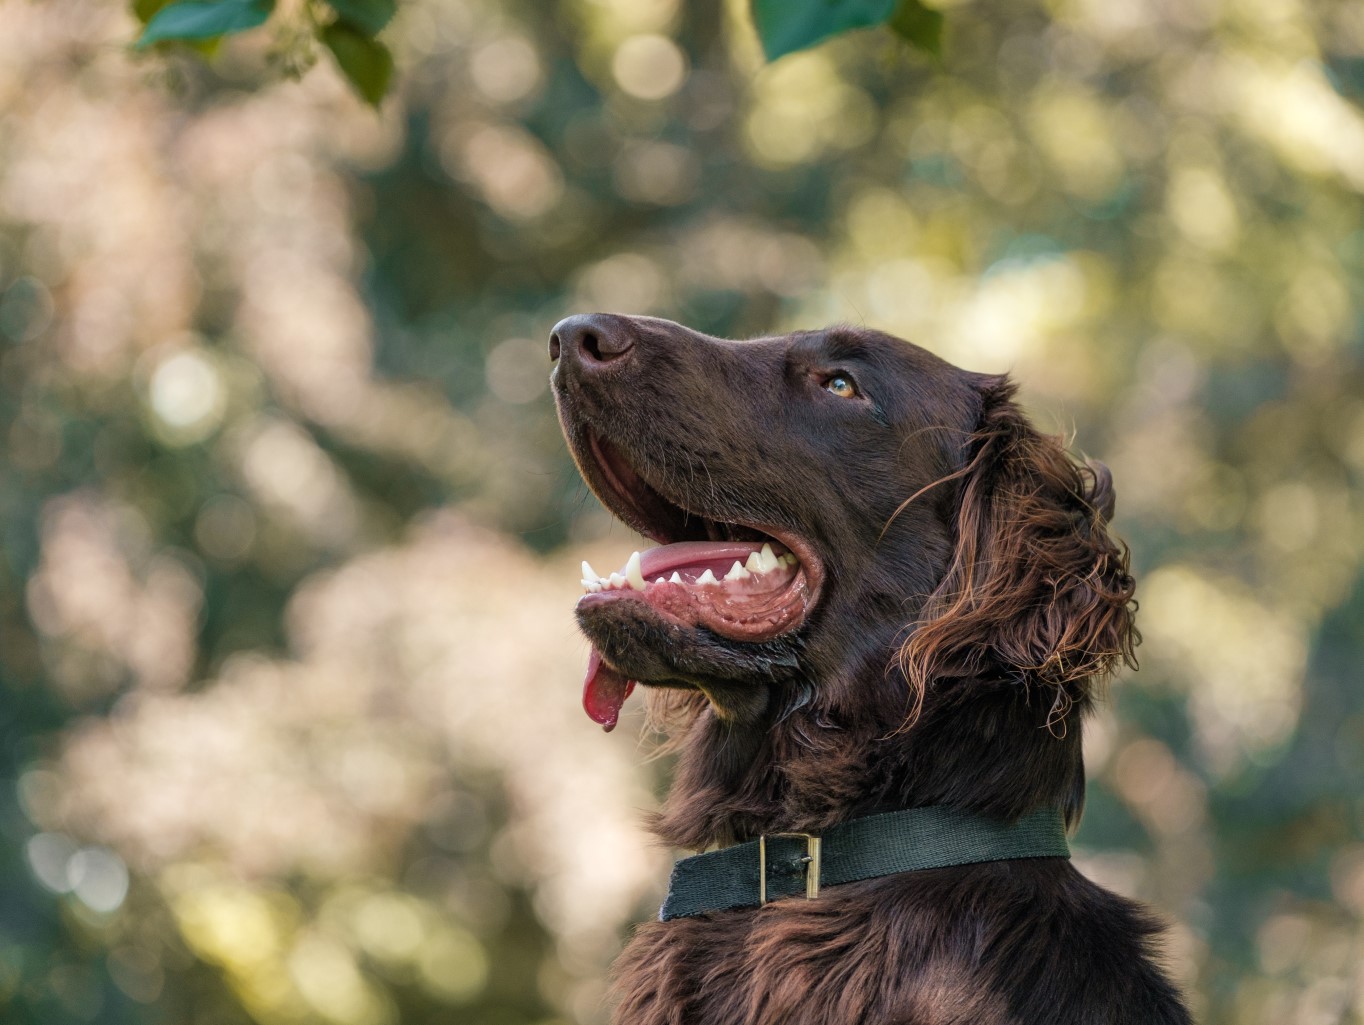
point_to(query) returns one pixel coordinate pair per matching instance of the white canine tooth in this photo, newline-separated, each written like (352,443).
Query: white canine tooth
(737,572)
(633,574)
(660,580)
(589,573)
(767,558)
(707,578)
(754,563)
(587,584)
(676,578)
(617,581)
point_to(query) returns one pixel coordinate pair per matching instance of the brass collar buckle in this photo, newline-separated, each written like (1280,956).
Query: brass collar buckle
(810,861)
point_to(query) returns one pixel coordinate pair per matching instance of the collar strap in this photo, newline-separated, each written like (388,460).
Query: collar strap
(779,865)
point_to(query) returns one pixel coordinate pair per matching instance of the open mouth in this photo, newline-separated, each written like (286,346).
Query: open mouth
(737,580)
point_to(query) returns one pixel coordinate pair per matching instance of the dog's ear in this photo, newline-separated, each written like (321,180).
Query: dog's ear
(1036,589)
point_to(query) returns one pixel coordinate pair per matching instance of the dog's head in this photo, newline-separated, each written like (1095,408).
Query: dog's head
(820,502)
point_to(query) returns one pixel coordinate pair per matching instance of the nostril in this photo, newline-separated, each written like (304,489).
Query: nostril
(592,346)
(591,340)
(603,346)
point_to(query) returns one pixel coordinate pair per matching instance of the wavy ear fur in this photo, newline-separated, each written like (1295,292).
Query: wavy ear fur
(1036,591)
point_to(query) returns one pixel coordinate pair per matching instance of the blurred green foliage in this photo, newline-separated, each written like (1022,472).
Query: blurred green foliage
(345,27)
(348,28)
(785,27)
(288,723)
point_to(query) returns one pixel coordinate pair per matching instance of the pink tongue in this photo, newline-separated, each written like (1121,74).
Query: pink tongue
(604,691)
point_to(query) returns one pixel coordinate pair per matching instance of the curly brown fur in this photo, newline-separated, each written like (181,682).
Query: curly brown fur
(1001,942)
(1035,582)
(966,598)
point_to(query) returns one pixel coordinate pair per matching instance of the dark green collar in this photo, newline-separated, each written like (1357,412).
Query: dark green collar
(786,864)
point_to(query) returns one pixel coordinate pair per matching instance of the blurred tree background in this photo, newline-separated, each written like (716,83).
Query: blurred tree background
(289,725)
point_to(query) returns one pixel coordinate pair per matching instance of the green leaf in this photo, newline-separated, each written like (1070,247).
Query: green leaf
(144,9)
(369,16)
(788,25)
(204,19)
(363,60)
(919,25)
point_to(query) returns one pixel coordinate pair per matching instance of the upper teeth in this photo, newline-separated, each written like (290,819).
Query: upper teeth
(632,572)
(631,577)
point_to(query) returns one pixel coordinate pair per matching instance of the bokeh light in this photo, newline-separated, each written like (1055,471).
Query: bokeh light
(289,724)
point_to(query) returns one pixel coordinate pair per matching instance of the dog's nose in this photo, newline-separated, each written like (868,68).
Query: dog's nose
(591,338)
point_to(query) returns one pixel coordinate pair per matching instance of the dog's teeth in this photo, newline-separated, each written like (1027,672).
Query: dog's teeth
(660,580)
(587,584)
(633,574)
(788,559)
(676,578)
(767,559)
(737,572)
(707,578)
(589,573)
(754,563)
(616,581)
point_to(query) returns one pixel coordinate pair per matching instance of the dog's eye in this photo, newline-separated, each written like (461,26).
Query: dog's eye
(841,386)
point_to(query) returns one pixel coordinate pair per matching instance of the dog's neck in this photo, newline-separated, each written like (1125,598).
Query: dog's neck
(842,738)
(1000,753)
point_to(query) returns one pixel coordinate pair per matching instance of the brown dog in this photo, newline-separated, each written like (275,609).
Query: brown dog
(878,607)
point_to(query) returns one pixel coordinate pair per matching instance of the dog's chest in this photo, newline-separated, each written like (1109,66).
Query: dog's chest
(838,961)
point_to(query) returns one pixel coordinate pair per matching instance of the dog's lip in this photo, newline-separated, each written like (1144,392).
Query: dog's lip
(751,617)
(602,473)
(602,463)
